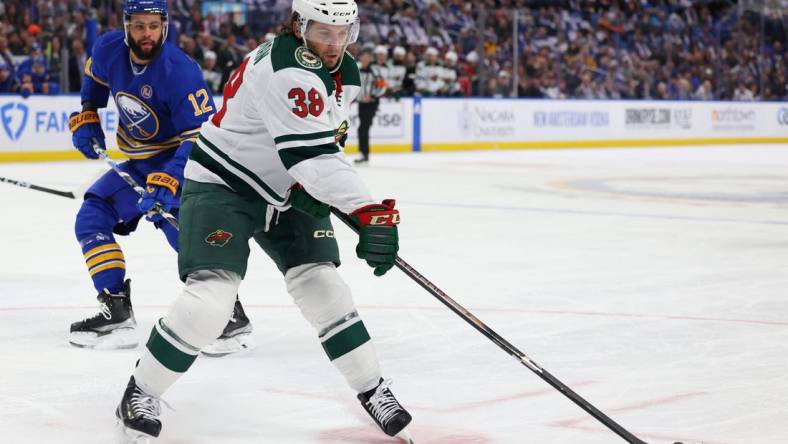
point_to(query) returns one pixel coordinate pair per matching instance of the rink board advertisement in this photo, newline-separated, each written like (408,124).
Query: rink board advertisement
(37,128)
(449,124)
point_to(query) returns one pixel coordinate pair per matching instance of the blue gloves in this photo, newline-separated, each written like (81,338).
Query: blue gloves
(160,188)
(85,127)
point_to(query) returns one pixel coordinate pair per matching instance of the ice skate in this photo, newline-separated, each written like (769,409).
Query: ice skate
(386,411)
(363,160)
(138,416)
(112,328)
(236,337)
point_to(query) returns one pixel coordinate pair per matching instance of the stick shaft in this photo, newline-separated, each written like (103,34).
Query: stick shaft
(157,209)
(67,194)
(498,340)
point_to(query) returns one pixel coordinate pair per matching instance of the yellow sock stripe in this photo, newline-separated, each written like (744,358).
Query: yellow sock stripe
(105,257)
(107,266)
(100,249)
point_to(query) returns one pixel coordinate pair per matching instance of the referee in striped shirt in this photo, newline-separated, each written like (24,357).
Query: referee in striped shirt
(372,88)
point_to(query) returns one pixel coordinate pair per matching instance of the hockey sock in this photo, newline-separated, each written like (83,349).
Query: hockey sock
(350,349)
(105,262)
(326,302)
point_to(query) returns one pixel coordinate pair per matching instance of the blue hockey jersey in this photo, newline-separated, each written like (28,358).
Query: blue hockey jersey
(160,106)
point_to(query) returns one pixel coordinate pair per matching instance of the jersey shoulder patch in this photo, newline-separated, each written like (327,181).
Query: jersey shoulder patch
(289,52)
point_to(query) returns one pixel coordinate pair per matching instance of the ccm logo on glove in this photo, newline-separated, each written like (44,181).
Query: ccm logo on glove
(375,215)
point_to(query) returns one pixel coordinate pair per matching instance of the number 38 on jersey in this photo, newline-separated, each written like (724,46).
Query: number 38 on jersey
(306,103)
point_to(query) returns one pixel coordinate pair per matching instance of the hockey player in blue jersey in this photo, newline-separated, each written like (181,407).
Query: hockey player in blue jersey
(162,101)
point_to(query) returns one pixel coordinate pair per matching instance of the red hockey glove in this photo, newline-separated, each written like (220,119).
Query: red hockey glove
(378,240)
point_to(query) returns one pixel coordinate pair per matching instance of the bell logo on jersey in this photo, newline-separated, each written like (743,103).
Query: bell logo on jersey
(219,238)
(136,117)
(307,58)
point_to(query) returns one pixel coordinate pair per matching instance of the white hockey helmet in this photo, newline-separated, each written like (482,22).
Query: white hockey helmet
(330,12)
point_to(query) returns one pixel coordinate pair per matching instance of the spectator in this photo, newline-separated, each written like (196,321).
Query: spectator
(228,58)
(449,75)
(704,91)
(8,83)
(212,78)
(399,81)
(744,92)
(6,57)
(428,74)
(76,65)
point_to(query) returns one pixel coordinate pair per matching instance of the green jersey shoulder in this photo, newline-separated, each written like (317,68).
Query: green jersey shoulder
(286,51)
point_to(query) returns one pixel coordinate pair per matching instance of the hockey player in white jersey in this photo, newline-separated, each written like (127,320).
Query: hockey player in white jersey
(264,167)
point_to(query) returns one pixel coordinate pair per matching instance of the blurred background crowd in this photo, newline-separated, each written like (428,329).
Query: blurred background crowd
(607,49)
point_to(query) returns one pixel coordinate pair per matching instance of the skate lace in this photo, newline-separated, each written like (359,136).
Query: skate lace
(382,403)
(146,406)
(105,311)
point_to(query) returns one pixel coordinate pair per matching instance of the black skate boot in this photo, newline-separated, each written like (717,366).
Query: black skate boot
(363,160)
(386,411)
(138,415)
(111,328)
(235,337)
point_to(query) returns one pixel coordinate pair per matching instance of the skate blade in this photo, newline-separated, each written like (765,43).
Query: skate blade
(405,436)
(125,435)
(227,346)
(120,339)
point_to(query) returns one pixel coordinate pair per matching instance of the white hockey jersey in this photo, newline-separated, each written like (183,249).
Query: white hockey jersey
(282,117)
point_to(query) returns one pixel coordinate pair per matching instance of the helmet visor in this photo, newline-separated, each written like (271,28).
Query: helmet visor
(334,35)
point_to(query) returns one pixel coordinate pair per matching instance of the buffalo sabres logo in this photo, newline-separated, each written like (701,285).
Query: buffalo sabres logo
(307,58)
(136,117)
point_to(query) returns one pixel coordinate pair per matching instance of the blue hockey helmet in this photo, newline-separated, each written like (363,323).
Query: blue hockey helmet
(145,6)
(131,7)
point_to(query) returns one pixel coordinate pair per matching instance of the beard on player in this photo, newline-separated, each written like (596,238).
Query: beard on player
(145,54)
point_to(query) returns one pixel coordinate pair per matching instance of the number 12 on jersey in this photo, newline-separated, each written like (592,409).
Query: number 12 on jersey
(202,106)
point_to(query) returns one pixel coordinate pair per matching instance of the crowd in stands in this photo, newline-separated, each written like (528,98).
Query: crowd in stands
(607,49)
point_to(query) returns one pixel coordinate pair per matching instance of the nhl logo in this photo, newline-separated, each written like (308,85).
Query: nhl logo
(219,238)
(307,58)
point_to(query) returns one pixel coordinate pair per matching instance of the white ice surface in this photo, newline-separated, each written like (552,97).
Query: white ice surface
(654,282)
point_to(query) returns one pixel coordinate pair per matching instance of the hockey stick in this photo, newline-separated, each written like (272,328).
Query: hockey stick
(476,323)
(157,209)
(30,186)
